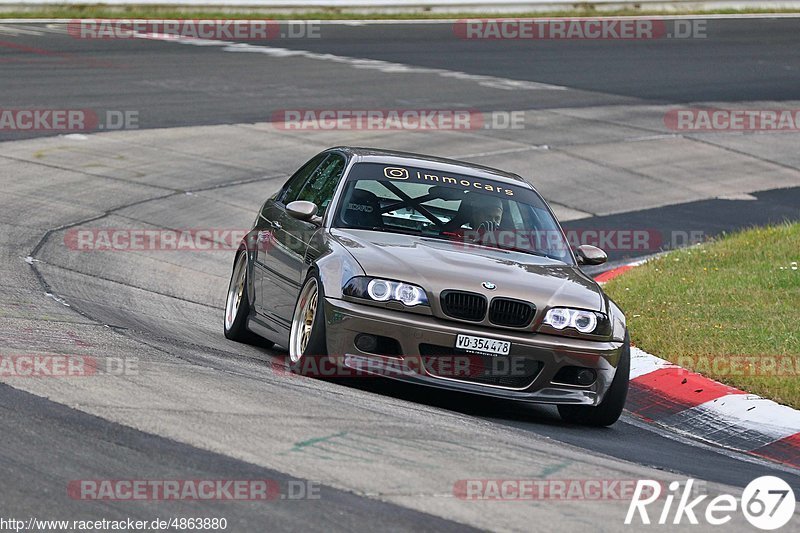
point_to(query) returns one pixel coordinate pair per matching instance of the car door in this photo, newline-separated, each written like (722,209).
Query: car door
(287,258)
(270,218)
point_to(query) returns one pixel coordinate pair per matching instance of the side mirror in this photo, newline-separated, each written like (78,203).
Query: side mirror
(590,255)
(302,210)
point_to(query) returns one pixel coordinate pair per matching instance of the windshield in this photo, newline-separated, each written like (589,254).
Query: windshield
(428,203)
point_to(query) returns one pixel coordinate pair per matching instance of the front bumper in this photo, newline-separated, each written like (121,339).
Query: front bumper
(422,339)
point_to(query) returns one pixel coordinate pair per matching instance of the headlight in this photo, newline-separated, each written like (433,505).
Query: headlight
(558,317)
(379,289)
(384,290)
(583,321)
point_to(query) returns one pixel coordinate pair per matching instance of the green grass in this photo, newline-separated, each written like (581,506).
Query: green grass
(173,12)
(733,297)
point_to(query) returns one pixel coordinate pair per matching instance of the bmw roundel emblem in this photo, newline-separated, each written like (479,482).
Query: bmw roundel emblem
(489,285)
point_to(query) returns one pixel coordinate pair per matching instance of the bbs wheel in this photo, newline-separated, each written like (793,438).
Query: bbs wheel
(237,306)
(307,335)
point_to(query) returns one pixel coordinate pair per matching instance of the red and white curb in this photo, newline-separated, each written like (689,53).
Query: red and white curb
(614,272)
(690,403)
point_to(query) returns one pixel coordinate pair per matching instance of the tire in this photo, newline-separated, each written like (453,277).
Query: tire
(307,335)
(237,306)
(611,407)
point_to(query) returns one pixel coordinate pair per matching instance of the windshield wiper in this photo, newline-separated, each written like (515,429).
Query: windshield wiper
(384,229)
(515,249)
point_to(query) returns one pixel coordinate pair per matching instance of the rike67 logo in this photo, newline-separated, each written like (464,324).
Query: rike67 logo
(768,503)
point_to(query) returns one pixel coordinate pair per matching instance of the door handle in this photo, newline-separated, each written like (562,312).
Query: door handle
(276,224)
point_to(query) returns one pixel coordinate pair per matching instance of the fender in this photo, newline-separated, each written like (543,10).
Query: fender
(335,265)
(618,321)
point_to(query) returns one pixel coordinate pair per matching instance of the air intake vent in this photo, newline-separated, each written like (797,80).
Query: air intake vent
(511,313)
(464,305)
(513,372)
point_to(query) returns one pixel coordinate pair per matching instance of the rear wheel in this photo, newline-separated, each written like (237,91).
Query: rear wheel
(237,306)
(611,407)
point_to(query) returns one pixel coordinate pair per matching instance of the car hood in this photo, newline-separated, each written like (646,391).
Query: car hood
(438,265)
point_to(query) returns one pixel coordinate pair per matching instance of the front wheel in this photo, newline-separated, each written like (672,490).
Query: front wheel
(307,335)
(611,407)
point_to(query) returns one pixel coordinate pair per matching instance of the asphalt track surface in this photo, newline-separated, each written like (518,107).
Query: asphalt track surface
(384,454)
(738,61)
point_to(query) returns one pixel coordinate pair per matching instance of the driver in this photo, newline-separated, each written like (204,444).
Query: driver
(480,212)
(487,212)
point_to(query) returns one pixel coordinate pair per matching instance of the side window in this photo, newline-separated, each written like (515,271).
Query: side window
(296,182)
(516,216)
(320,186)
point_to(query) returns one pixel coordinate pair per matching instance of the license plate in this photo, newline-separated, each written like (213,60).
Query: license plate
(482,345)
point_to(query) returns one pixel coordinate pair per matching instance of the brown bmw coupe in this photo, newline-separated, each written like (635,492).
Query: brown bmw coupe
(433,271)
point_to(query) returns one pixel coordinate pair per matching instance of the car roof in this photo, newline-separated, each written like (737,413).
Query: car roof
(391,157)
